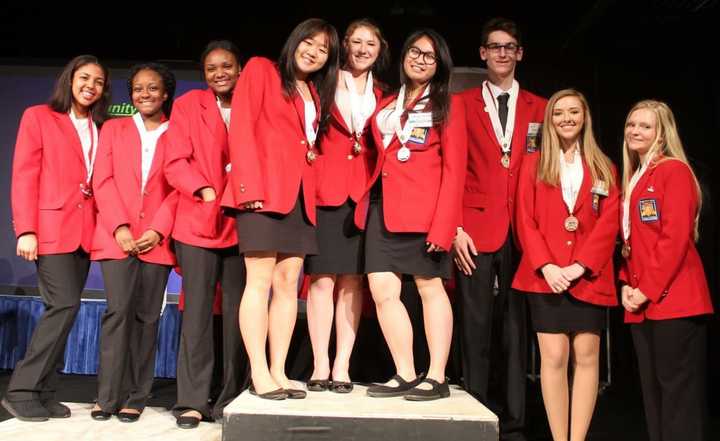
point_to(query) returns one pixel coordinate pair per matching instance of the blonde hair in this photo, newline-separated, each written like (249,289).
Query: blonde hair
(549,165)
(666,146)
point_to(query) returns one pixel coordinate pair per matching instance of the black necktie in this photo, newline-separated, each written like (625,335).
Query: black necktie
(503,109)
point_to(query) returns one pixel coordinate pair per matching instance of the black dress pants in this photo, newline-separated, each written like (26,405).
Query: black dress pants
(61,279)
(493,337)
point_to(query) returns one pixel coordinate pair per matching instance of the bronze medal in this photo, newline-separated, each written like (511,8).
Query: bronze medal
(625,250)
(571,223)
(86,191)
(310,156)
(357,148)
(505,160)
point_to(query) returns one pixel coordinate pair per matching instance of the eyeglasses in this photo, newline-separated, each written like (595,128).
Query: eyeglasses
(510,48)
(427,57)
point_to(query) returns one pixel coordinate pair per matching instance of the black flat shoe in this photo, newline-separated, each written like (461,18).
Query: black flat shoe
(437,392)
(383,391)
(341,387)
(26,410)
(295,394)
(100,415)
(318,385)
(277,394)
(128,417)
(187,422)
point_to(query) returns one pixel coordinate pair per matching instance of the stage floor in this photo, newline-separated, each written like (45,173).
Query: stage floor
(155,424)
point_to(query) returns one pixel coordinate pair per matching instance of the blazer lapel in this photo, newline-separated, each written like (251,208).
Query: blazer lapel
(585,187)
(521,123)
(211,117)
(131,135)
(68,129)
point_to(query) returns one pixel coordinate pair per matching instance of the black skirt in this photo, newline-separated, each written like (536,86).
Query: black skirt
(340,242)
(563,313)
(290,233)
(402,253)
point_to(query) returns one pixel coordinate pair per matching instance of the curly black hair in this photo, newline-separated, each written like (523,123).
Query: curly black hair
(225,45)
(168,79)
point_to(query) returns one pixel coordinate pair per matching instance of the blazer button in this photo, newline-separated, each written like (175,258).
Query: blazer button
(384,174)
(242,190)
(350,157)
(79,205)
(146,193)
(569,242)
(302,142)
(142,215)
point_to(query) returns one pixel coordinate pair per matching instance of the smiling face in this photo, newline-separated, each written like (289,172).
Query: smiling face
(363,48)
(568,118)
(420,62)
(501,53)
(88,83)
(311,54)
(148,92)
(222,71)
(641,131)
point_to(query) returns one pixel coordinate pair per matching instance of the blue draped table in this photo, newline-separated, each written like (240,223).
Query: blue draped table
(20,314)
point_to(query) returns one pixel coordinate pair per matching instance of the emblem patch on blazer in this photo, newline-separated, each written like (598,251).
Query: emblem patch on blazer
(648,210)
(532,142)
(418,135)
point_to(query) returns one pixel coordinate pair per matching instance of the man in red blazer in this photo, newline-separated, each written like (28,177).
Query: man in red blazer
(503,124)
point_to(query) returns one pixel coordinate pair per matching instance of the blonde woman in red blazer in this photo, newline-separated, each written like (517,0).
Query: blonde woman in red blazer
(279,109)
(197,163)
(136,211)
(342,173)
(54,219)
(664,288)
(411,208)
(567,211)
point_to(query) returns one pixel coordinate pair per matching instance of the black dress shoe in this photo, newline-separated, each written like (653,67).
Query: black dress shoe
(341,387)
(384,391)
(438,391)
(26,410)
(128,417)
(56,409)
(318,385)
(277,394)
(187,422)
(295,394)
(100,415)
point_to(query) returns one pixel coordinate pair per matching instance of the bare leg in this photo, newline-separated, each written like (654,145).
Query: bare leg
(253,317)
(554,354)
(283,313)
(320,318)
(394,322)
(586,358)
(438,319)
(347,319)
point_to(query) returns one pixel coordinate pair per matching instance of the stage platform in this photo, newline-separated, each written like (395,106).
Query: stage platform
(155,424)
(357,417)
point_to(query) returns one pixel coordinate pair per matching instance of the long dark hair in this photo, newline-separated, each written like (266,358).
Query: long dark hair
(168,79)
(440,82)
(383,59)
(62,97)
(325,79)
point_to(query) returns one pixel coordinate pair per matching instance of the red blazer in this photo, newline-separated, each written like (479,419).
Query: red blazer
(120,200)
(339,172)
(268,143)
(543,239)
(48,170)
(422,195)
(664,262)
(489,187)
(197,157)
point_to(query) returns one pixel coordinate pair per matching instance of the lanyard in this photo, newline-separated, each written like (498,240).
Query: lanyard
(89,157)
(403,132)
(504,139)
(568,179)
(628,192)
(361,107)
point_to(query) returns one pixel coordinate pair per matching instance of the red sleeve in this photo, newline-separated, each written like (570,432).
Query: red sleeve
(677,222)
(247,103)
(164,219)
(178,169)
(107,196)
(27,163)
(598,249)
(454,162)
(532,241)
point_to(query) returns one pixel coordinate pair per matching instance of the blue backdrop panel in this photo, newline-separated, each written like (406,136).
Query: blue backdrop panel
(19,315)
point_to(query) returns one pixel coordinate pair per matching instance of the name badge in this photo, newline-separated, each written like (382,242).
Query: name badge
(600,188)
(532,141)
(648,210)
(418,135)
(420,119)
